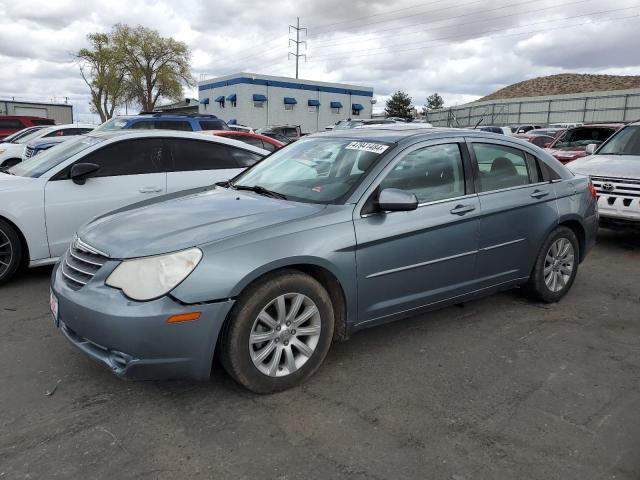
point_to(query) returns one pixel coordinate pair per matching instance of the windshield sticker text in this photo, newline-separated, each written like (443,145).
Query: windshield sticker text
(367,147)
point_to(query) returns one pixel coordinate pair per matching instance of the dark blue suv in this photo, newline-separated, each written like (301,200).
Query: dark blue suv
(164,121)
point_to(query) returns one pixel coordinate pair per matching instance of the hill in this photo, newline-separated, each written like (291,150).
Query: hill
(565,83)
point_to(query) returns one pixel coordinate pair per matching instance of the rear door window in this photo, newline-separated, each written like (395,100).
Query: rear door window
(211,125)
(11,124)
(501,167)
(190,155)
(182,126)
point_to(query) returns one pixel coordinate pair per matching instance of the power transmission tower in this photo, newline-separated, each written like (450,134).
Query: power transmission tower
(297,41)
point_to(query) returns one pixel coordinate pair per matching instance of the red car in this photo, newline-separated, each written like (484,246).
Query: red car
(12,124)
(572,144)
(255,139)
(541,137)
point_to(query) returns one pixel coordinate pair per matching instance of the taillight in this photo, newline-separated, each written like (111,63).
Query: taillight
(592,189)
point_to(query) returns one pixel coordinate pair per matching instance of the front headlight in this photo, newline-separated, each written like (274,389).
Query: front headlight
(152,277)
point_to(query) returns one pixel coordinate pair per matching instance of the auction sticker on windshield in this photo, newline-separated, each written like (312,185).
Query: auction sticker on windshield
(367,147)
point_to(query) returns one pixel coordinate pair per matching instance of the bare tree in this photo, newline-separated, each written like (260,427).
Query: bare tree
(103,72)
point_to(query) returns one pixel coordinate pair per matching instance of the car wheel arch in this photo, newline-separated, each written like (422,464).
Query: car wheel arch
(578,229)
(23,240)
(323,274)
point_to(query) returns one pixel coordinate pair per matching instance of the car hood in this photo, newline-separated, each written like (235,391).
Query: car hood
(188,221)
(619,166)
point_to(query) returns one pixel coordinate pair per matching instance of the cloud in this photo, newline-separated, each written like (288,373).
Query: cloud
(462,49)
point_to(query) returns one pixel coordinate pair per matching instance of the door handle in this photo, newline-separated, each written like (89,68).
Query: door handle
(150,190)
(462,209)
(540,193)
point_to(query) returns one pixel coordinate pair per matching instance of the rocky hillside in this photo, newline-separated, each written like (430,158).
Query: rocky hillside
(565,83)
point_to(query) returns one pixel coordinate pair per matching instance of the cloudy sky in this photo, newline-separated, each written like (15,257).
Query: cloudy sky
(462,49)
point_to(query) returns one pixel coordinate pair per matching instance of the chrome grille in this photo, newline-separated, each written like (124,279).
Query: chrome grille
(28,153)
(81,263)
(617,187)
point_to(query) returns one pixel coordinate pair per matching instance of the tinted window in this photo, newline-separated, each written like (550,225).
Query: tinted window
(626,142)
(130,157)
(183,126)
(431,173)
(502,167)
(268,146)
(55,133)
(190,155)
(162,125)
(11,124)
(244,158)
(256,142)
(212,125)
(43,121)
(290,132)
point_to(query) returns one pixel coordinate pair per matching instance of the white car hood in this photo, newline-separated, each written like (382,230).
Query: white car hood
(11,150)
(617,166)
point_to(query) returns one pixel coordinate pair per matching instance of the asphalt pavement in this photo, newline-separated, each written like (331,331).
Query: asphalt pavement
(497,388)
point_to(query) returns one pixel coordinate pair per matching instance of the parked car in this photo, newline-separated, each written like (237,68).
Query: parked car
(572,144)
(11,153)
(290,132)
(492,129)
(255,139)
(184,122)
(22,133)
(40,145)
(564,125)
(334,233)
(10,124)
(526,128)
(364,121)
(45,199)
(615,171)
(541,137)
(278,137)
(331,127)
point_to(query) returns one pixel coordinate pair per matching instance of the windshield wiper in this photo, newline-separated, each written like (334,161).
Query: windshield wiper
(225,184)
(259,190)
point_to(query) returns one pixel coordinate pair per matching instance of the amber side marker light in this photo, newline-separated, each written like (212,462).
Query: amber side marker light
(184,317)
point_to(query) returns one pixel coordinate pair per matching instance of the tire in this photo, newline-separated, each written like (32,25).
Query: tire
(10,252)
(554,271)
(10,163)
(264,353)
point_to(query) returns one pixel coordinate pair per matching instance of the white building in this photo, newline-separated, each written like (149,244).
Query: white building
(61,113)
(259,100)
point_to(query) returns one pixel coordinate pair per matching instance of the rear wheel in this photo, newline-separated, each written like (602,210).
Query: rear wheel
(556,266)
(10,251)
(279,332)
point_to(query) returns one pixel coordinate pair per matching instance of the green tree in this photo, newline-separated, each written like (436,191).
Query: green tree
(399,105)
(102,70)
(434,102)
(156,67)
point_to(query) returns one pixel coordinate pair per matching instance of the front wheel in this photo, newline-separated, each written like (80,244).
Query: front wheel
(278,333)
(10,252)
(556,266)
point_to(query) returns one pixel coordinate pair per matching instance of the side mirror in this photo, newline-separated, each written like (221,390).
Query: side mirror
(590,149)
(396,200)
(81,171)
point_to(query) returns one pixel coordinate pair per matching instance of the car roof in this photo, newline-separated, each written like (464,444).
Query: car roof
(132,134)
(397,132)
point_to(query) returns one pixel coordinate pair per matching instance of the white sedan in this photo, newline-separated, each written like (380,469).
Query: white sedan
(11,152)
(45,199)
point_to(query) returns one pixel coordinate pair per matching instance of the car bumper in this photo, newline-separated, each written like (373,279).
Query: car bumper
(133,339)
(612,207)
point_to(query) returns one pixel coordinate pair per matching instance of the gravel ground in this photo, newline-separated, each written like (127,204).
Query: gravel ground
(497,388)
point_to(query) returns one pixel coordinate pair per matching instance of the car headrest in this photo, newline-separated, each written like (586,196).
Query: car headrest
(503,166)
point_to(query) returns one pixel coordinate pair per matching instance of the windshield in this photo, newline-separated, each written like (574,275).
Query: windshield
(115,123)
(31,135)
(20,134)
(581,137)
(315,170)
(626,142)
(45,161)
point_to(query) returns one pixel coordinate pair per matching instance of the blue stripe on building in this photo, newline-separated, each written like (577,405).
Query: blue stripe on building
(276,83)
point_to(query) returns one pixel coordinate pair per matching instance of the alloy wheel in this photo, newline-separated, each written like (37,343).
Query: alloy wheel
(6,253)
(559,264)
(285,334)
